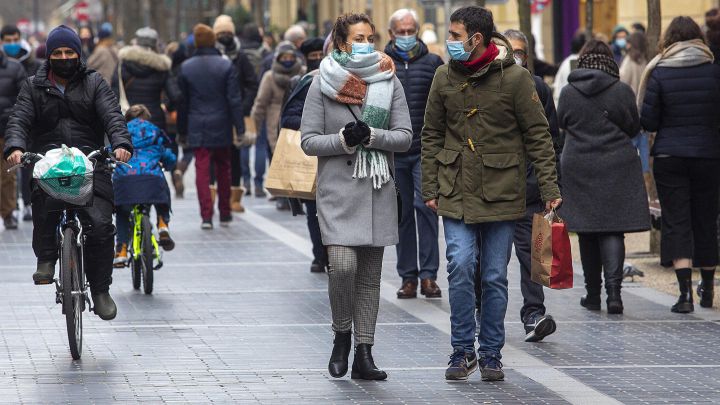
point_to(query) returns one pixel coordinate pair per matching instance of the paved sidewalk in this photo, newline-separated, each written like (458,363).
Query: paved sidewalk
(236,317)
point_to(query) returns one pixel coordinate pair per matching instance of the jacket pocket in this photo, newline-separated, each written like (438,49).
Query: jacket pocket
(501,176)
(448,171)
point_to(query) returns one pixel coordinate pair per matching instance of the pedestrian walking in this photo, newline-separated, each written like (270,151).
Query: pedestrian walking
(146,75)
(104,58)
(291,117)
(12,77)
(211,105)
(678,97)
(482,118)
(178,55)
(356,197)
(631,71)
(536,322)
(229,45)
(618,43)
(415,67)
(568,65)
(602,175)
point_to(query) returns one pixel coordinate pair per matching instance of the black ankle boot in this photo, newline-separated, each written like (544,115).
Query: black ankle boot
(364,366)
(705,289)
(684,304)
(342,344)
(614,301)
(591,302)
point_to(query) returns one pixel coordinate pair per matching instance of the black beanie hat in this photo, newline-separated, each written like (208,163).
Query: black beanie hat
(61,36)
(312,45)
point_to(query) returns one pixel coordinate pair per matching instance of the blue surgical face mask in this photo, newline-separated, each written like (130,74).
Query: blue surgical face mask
(287,64)
(405,42)
(12,49)
(621,43)
(362,48)
(456,50)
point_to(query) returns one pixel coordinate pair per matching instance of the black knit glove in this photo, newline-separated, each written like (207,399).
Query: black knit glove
(361,130)
(351,139)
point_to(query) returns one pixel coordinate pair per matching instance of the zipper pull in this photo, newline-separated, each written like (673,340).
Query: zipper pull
(406,66)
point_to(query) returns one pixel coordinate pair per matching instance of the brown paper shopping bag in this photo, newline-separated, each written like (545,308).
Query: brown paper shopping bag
(551,258)
(292,173)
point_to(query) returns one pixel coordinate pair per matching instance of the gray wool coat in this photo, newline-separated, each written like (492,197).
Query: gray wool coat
(602,183)
(350,211)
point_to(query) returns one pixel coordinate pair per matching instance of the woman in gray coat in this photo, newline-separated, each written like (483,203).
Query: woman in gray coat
(602,174)
(355,118)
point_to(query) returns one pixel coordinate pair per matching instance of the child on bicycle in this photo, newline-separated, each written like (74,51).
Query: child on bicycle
(144,182)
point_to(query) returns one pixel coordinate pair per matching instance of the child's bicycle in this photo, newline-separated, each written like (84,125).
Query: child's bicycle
(143,249)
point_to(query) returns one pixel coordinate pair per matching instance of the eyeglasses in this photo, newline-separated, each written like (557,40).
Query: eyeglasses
(520,53)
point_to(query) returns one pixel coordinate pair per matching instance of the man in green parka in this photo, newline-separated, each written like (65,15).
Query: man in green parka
(483,119)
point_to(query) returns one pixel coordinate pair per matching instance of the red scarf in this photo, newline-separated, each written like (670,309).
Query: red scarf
(488,56)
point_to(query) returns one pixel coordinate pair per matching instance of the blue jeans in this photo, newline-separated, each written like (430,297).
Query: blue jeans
(643,146)
(424,227)
(462,255)
(261,154)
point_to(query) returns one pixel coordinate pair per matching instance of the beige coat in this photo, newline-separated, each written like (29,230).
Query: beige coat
(268,104)
(104,60)
(631,72)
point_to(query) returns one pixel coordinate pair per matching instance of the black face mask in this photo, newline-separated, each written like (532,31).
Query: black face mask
(313,64)
(227,40)
(64,68)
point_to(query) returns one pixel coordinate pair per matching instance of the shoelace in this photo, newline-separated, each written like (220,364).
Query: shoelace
(457,358)
(493,363)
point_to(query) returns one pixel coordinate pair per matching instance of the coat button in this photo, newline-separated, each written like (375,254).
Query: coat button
(606,113)
(349,162)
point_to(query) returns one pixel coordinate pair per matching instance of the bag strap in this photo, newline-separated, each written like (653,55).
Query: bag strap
(124,104)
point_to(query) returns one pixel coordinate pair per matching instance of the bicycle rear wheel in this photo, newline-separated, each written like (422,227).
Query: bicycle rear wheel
(73,299)
(148,253)
(135,271)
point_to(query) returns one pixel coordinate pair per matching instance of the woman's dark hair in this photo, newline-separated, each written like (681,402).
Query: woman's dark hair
(712,20)
(681,28)
(594,46)
(475,19)
(638,47)
(577,42)
(341,29)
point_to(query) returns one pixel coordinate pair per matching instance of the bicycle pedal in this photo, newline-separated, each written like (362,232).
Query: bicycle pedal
(158,266)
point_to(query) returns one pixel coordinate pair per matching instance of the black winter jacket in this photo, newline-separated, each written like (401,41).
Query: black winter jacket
(212,101)
(146,74)
(12,77)
(291,114)
(248,80)
(416,76)
(683,106)
(46,118)
(532,193)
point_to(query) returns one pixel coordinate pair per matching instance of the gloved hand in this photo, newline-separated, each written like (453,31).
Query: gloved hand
(355,133)
(349,134)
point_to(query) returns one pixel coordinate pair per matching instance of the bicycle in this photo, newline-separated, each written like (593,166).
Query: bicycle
(143,250)
(71,287)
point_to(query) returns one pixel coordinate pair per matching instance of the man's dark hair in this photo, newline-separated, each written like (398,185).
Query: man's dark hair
(577,42)
(476,20)
(251,33)
(681,28)
(596,47)
(638,27)
(341,29)
(9,30)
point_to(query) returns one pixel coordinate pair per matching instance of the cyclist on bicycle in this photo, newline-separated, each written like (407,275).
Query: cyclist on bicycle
(67,103)
(144,182)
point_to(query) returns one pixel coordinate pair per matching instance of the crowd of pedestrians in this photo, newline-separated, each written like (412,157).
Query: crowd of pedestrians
(402,138)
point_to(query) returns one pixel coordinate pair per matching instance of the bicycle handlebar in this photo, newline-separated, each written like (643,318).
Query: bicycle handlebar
(29,158)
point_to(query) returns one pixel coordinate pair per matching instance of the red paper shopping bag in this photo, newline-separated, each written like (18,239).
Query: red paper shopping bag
(551,256)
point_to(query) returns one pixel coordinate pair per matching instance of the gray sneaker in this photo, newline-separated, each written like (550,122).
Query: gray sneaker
(491,369)
(10,222)
(461,365)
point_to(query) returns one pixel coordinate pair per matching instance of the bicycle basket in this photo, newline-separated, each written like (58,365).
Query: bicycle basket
(65,174)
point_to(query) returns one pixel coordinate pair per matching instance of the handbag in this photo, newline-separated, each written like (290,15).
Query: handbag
(551,255)
(392,176)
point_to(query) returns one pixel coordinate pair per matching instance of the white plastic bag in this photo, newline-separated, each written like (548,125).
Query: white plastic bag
(65,174)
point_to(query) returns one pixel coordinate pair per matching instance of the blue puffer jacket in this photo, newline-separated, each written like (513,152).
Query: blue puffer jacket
(144,182)
(683,106)
(212,100)
(416,76)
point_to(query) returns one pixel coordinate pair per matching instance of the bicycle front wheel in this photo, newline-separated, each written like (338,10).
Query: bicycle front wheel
(71,292)
(148,254)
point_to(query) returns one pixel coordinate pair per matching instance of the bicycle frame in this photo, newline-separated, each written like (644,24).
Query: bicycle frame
(137,213)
